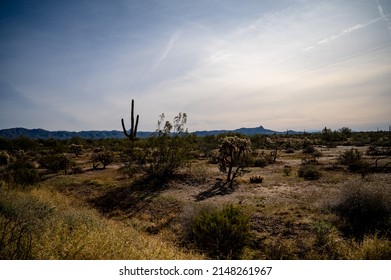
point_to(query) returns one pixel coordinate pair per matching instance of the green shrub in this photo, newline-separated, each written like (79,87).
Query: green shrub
(162,155)
(256,179)
(260,162)
(364,209)
(353,159)
(55,162)
(309,149)
(222,234)
(26,177)
(287,170)
(309,160)
(21,173)
(309,172)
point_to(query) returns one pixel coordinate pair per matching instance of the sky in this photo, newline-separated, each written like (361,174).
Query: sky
(283,64)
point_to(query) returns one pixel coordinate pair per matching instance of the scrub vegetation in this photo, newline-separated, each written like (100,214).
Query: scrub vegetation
(174,195)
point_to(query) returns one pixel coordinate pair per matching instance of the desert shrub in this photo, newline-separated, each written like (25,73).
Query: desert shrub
(76,169)
(309,149)
(260,162)
(287,170)
(254,160)
(374,150)
(165,155)
(321,229)
(213,157)
(309,160)
(309,172)
(364,208)
(256,179)
(162,155)
(21,173)
(55,162)
(353,159)
(329,137)
(317,154)
(26,177)
(222,234)
(289,150)
(4,158)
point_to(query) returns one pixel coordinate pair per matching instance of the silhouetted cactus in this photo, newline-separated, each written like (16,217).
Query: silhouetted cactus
(133,130)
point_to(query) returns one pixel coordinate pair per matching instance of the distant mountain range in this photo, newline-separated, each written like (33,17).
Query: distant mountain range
(12,133)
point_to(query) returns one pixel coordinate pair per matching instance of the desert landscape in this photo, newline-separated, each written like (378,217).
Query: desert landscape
(323,195)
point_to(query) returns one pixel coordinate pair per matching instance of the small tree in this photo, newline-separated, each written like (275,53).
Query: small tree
(165,152)
(329,137)
(346,132)
(232,156)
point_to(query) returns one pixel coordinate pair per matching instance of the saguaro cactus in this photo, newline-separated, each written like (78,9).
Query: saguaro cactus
(133,130)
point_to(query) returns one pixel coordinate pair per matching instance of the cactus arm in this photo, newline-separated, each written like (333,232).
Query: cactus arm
(124,129)
(135,128)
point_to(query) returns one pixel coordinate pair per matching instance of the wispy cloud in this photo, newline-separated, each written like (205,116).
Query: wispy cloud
(174,37)
(347,31)
(384,16)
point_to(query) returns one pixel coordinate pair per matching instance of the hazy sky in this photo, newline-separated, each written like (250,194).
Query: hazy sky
(283,64)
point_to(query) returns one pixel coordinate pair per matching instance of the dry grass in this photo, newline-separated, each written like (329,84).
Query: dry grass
(77,232)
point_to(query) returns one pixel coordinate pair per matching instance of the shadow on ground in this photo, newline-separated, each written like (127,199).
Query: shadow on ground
(127,201)
(219,188)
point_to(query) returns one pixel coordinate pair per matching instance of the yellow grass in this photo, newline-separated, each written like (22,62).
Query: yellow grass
(76,232)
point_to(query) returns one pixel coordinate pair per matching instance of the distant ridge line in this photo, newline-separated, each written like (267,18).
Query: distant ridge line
(38,133)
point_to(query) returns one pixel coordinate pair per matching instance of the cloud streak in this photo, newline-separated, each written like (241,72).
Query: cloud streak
(384,16)
(174,37)
(347,31)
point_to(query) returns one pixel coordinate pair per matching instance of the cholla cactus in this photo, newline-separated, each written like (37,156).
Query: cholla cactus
(76,149)
(232,153)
